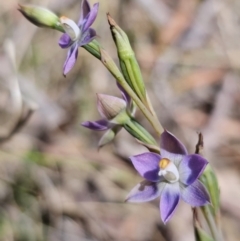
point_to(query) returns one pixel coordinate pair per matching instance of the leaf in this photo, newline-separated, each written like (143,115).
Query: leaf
(201,235)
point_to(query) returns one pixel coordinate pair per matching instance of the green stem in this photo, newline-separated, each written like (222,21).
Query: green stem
(216,234)
(135,129)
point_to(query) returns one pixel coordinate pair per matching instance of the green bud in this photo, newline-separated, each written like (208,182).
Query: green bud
(41,17)
(128,62)
(139,132)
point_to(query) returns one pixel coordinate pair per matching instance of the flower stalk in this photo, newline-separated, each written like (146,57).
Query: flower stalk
(139,132)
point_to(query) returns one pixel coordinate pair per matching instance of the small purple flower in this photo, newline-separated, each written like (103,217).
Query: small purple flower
(172,175)
(110,107)
(79,34)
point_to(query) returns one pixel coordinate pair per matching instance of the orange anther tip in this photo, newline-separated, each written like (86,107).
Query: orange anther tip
(163,163)
(63,18)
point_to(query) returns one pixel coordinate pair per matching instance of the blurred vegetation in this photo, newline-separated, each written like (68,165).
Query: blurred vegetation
(54,183)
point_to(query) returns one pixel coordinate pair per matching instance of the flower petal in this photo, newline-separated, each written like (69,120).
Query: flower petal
(145,191)
(125,95)
(90,18)
(64,41)
(169,143)
(99,125)
(130,106)
(147,165)
(71,59)
(169,200)
(195,194)
(85,10)
(87,37)
(191,167)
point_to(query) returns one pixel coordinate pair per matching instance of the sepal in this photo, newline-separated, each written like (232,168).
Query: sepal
(139,132)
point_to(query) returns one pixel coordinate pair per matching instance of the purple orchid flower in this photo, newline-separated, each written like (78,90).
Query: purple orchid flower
(172,175)
(109,108)
(79,34)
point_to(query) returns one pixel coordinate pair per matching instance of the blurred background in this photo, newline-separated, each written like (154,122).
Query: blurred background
(54,183)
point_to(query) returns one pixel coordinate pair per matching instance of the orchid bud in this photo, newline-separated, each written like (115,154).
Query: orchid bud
(128,62)
(41,17)
(110,106)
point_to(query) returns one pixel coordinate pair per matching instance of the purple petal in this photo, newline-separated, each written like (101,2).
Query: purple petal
(99,125)
(90,18)
(71,59)
(87,37)
(130,106)
(191,167)
(85,10)
(64,41)
(125,95)
(147,164)
(195,194)
(145,191)
(169,200)
(170,144)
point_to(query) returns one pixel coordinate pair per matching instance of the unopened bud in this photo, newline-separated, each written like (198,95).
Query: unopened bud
(41,17)
(110,106)
(128,62)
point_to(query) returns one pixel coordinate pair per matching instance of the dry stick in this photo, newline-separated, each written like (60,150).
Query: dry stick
(18,126)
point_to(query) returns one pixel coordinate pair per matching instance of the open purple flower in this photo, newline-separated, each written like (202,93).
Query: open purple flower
(172,175)
(110,108)
(79,34)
